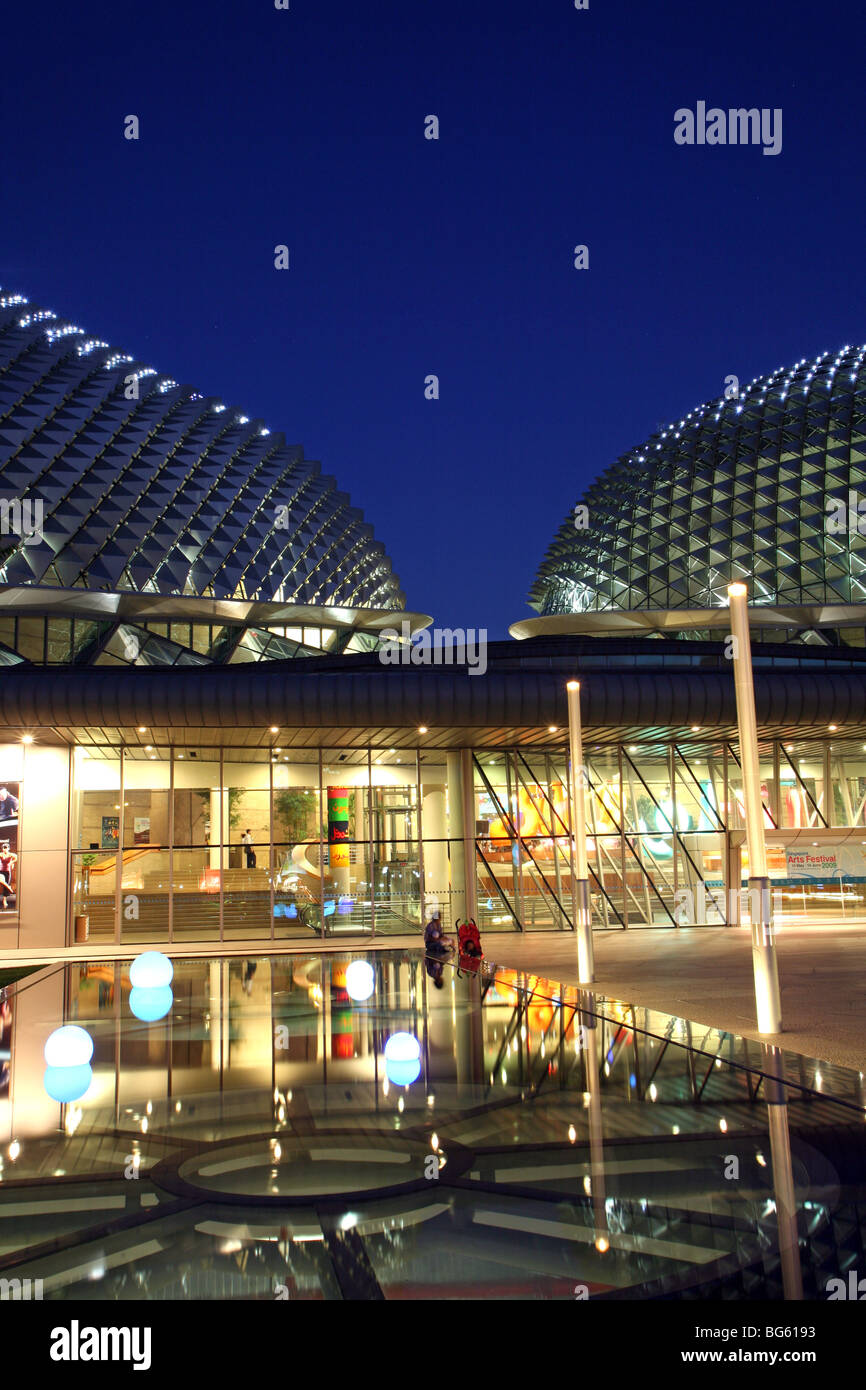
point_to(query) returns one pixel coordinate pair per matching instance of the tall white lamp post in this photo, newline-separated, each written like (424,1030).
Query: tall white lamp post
(764,961)
(583,924)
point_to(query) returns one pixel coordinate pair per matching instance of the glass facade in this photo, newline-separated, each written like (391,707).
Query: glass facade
(48,641)
(241,844)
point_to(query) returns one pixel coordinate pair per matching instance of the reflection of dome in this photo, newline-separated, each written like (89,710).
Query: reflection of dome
(739,488)
(168,492)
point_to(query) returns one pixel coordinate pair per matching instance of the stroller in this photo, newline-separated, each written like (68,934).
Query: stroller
(469,946)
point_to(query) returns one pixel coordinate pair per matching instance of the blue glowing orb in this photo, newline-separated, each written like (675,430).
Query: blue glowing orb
(402,1059)
(152,970)
(69,1046)
(151,1004)
(402,1073)
(68,1083)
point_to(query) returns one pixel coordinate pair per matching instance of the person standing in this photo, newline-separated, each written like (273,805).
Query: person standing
(247,842)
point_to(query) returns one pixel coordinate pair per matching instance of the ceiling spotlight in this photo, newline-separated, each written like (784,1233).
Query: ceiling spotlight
(26,738)
(832,728)
(274,729)
(553,728)
(422,728)
(142,728)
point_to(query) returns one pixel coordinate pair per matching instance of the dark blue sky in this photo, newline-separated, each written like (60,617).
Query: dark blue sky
(411,257)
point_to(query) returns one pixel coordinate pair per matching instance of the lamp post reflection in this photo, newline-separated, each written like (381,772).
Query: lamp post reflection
(783,1173)
(469,1039)
(582,909)
(591,1036)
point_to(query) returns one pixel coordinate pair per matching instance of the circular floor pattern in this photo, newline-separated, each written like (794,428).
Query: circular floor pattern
(292,1169)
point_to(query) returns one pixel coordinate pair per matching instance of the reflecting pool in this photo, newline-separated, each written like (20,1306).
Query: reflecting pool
(380,1126)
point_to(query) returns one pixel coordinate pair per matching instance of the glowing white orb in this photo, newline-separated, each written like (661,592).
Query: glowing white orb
(152,970)
(360,980)
(69,1046)
(402,1047)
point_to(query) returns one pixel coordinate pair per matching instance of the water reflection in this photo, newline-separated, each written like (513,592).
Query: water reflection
(344,1127)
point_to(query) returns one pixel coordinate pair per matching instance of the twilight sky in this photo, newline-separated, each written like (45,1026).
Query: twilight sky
(411,257)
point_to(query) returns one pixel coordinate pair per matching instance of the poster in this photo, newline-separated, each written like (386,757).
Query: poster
(823,863)
(9,797)
(141,830)
(110,832)
(338,827)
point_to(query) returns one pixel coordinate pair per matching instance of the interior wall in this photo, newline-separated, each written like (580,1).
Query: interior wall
(43,867)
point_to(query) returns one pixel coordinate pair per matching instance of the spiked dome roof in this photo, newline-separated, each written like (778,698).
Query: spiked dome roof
(740,488)
(167,493)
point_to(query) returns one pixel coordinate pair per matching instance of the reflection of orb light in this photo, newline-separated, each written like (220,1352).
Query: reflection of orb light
(151,1004)
(152,970)
(360,980)
(68,1083)
(69,1046)
(403,1073)
(504,984)
(402,1059)
(540,1017)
